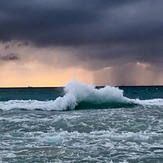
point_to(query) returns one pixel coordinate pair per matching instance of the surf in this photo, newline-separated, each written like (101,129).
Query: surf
(78,95)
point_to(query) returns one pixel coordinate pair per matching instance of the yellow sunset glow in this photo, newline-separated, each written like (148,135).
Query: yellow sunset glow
(43,77)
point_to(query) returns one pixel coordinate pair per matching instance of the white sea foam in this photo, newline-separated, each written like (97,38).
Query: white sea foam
(152,102)
(76,92)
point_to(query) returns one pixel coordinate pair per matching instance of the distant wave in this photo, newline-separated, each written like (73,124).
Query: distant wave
(81,96)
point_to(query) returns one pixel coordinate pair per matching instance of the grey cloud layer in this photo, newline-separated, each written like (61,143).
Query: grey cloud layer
(78,22)
(103,32)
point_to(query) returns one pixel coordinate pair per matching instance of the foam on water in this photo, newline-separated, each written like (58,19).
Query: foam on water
(89,143)
(109,135)
(79,96)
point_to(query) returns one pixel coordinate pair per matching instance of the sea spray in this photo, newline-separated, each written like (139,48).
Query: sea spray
(81,96)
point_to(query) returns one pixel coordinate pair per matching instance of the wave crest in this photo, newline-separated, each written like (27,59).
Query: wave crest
(81,96)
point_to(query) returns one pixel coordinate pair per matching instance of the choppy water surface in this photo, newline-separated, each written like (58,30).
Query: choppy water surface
(114,134)
(132,135)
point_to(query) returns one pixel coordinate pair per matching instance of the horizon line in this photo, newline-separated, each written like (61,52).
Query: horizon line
(30,87)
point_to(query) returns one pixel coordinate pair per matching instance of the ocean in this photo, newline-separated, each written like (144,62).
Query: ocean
(81,123)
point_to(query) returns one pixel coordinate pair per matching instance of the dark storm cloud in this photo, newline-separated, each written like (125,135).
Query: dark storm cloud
(71,22)
(109,32)
(10,57)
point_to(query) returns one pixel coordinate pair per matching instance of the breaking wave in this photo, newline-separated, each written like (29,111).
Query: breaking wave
(81,96)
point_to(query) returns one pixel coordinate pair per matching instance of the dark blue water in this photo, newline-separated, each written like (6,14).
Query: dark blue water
(109,126)
(51,93)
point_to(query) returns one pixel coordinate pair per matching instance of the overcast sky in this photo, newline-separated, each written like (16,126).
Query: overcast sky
(103,42)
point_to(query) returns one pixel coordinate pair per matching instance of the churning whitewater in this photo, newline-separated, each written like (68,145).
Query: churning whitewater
(105,124)
(81,96)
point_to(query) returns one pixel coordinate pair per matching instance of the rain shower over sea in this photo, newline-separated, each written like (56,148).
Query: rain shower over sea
(82,123)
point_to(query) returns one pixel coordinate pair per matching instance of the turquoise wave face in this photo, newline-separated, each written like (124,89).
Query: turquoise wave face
(75,96)
(107,105)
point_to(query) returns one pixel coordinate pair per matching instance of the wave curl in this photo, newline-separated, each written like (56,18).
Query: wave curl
(81,96)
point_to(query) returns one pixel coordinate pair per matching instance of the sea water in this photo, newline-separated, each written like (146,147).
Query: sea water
(81,123)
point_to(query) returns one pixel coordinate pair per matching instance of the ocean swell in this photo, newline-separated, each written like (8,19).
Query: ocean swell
(81,96)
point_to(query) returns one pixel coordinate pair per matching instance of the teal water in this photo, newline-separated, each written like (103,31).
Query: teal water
(83,125)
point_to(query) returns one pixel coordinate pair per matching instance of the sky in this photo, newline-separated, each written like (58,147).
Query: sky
(100,42)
